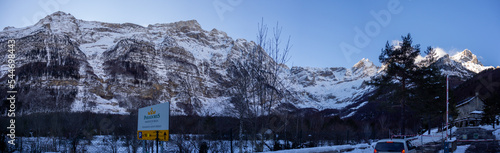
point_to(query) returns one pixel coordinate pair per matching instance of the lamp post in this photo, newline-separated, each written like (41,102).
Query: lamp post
(447,126)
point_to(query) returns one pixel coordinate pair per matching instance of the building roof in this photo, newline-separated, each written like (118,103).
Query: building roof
(477,112)
(466,101)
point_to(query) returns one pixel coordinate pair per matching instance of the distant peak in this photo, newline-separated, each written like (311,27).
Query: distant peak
(59,22)
(8,28)
(364,68)
(181,25)
(61,14)
(189,23)
(365,62)
(58,16)
(466,56)
(466,52)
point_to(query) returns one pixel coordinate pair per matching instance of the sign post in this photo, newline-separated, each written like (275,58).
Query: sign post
(152,123)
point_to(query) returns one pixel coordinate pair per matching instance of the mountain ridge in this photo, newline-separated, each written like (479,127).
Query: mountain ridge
(117,68)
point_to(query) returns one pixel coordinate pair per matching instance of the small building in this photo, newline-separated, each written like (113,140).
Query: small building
(470,111)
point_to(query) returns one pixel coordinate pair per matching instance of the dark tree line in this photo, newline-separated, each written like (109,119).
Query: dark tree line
(302,129)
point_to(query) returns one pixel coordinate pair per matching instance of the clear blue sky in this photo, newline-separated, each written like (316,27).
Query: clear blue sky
(318,28)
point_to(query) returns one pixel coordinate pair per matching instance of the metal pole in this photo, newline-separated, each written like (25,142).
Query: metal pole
(157,141)
(164,138)
(231,138)
(145,147)
(422,139)
(447,126)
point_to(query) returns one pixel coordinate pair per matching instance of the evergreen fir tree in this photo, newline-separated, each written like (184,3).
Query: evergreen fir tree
(491,109)
(399,75)
(429,94)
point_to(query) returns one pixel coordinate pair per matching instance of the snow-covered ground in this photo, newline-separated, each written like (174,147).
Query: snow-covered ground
(461,149)
(106,143)
(496,132)
(434,136)
(361,148)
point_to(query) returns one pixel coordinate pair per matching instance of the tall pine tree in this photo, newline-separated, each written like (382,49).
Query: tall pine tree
(491,110)
(400,68)
(421,87)
(429,94)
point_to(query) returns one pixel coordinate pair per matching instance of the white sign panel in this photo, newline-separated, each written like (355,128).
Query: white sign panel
(153,118)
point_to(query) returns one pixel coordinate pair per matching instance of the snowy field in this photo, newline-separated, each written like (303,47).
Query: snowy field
(107,143)
(192,143)
(361,148)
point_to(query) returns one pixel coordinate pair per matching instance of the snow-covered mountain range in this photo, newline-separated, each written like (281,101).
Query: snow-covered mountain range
(67,64)
(463,64)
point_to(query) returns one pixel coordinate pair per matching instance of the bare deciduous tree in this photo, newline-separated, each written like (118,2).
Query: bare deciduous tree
(256,76)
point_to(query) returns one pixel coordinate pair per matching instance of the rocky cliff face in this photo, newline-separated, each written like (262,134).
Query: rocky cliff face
(67,64)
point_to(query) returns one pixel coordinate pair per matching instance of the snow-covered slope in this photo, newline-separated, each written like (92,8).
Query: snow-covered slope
(67,64)
(464,64)
(331,88)
(470,61)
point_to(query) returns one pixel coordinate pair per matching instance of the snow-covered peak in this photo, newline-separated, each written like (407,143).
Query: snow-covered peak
(466,56)
(184,26)
(463,60)
(189,23)
(364,68)
(60,22)
(365,62)
(59,16)
(469,61)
